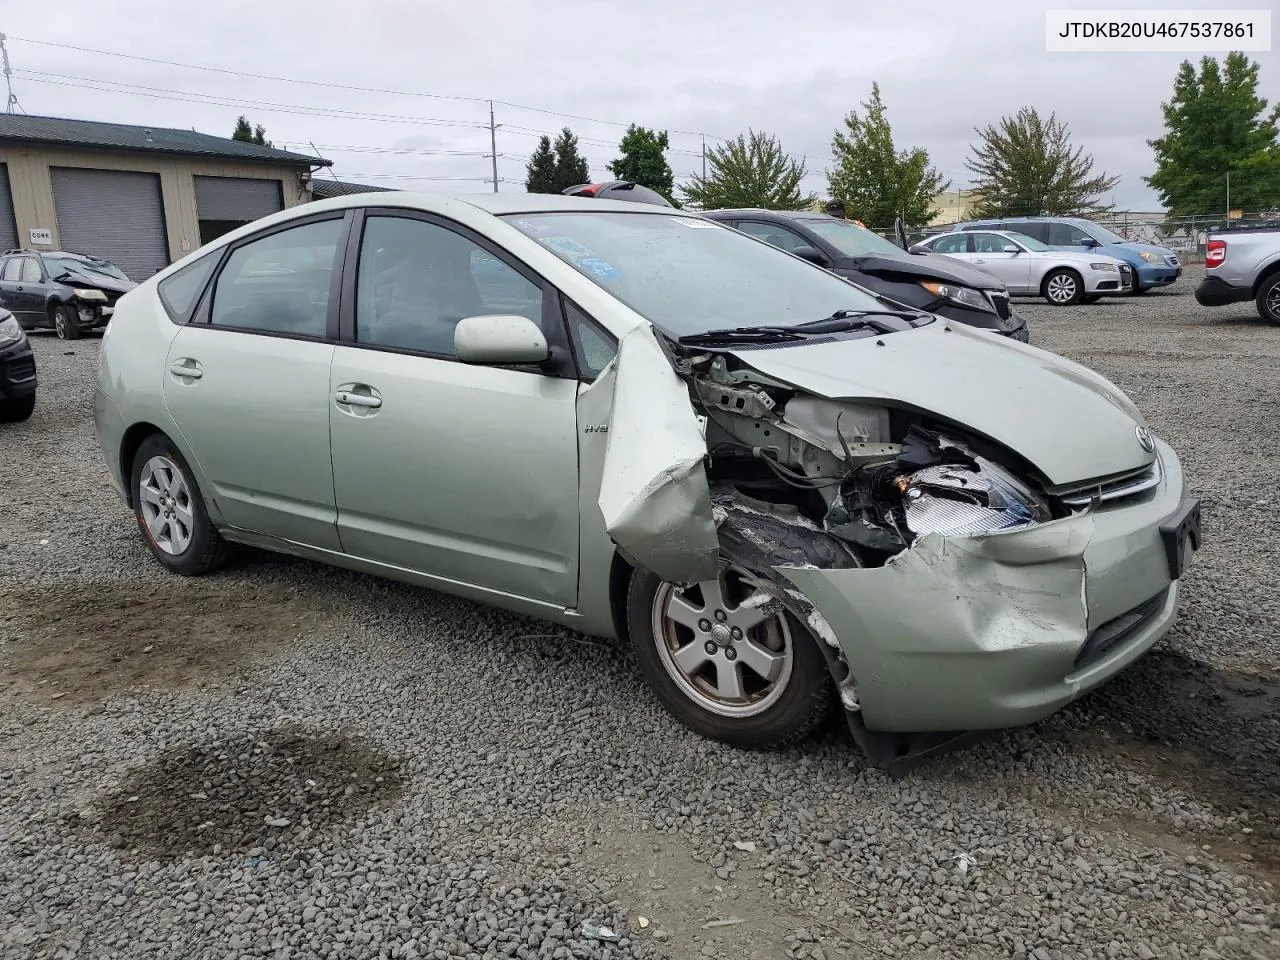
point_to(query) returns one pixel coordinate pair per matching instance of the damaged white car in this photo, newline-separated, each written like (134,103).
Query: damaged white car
(791,495)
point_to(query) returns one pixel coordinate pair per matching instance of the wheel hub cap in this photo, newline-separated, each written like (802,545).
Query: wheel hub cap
(720,634)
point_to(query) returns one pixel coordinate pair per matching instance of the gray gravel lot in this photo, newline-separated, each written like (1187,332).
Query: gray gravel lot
(286,760)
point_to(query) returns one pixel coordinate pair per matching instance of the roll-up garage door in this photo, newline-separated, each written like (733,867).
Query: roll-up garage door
(114,214)
(8,226)
(237,199)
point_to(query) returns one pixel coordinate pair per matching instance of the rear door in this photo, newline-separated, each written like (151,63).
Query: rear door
(1013,269)
(247,381)
(10,299)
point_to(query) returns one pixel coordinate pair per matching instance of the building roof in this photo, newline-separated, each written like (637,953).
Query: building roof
(323,188)
(91,134)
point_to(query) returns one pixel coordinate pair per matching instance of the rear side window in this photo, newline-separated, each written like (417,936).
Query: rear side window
(955,244)
(30,270)
(1036,230)
(180,291)
(280,283)
(11,270)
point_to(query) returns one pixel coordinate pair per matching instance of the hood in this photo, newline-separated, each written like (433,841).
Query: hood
(1073,255)
(1070,423)
(87,278)
(928,266)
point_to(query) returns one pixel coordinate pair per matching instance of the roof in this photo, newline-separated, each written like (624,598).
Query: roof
(19,128)
(761,212)
(322,188)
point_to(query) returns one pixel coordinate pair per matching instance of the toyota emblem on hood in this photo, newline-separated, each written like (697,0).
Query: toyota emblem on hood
(1145,440)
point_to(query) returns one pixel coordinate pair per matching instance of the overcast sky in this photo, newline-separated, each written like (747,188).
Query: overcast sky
(793,69)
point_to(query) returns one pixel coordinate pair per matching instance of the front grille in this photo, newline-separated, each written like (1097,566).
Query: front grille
(1114,488)
(1126,275)
(1115,632)
(1001,302)
(20,371)
(1171,260)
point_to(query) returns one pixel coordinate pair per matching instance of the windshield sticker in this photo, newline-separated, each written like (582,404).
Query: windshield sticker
(540,227)
(566,246)
(598,268)
(696,224)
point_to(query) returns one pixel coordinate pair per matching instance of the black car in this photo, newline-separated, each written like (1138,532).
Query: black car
(17,371)
(69,292)
(929,282)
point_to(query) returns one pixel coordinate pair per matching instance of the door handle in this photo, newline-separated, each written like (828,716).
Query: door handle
(979,261)
(349,399)
(187,369)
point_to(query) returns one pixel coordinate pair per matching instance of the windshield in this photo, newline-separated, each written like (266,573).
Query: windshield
(57,266)
(1031,243)
(688,275)
(1101,233)
(851,239)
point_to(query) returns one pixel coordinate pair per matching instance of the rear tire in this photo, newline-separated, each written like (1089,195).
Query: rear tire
(1269,299)
(66,322)
(1062,288)
(170,511)
(785,711)
(15,411)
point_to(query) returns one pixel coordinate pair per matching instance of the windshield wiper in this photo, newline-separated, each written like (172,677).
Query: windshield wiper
(843,320)
(761,334)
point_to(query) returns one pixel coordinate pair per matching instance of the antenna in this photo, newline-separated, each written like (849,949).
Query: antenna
(12,102)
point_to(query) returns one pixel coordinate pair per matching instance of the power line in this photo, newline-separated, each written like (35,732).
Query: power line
(337,86)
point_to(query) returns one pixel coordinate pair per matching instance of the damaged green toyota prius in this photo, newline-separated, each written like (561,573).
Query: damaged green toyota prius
(791,495)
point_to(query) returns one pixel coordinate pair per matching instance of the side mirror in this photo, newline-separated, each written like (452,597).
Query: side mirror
(813,255)
(1090,242)
(918,248)
(499,339)
(1009,248)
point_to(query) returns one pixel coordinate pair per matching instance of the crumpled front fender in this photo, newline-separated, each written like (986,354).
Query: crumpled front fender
(653,488)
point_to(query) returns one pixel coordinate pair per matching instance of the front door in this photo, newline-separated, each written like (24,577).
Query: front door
(465,473)
(248,385)
(1013,269)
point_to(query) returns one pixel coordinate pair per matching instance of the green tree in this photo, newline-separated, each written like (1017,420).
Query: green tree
(247,134)
(877,182)
(571,166)
(749,171)
(1027,166)
(540,174)
(1215,125)
(644,160)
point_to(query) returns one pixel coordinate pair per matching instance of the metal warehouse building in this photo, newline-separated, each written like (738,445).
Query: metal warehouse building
(139,196)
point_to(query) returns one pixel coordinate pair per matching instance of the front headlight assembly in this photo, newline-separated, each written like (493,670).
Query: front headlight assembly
(1150,257)
(964,296)
(10,331)
(88,294)
(1104,267)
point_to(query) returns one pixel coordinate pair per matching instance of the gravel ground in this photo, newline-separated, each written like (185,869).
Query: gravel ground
(287,760)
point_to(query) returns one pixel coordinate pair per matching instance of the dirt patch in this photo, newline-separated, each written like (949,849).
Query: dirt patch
(64,647)
(1212,734)
(258,790)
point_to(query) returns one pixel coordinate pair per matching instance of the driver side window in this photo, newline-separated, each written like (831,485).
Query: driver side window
(780,237)
(1065,235)
(418,279)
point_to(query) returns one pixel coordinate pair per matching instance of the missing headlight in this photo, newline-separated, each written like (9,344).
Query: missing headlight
(937,485)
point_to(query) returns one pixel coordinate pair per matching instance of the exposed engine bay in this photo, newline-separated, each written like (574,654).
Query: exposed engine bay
(875,478)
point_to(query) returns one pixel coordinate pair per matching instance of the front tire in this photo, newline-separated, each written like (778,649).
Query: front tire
(1269,299)
(1091,298)
(170,510)
(727,666)
(66,322)
(1063,288)
(15,411)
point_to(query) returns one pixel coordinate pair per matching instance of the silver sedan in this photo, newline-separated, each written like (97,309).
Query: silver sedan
(1030,268)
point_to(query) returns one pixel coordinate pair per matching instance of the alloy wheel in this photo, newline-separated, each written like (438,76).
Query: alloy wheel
(724,642)
(166,505)
(1061,288)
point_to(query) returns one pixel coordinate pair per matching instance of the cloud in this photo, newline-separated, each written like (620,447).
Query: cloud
(689,67)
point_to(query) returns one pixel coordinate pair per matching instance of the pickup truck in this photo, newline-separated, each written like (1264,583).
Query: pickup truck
(1243,264)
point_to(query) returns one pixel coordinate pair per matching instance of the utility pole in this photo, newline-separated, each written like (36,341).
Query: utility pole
(704,157)
(12,101)
(493,146)
(1228,198)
